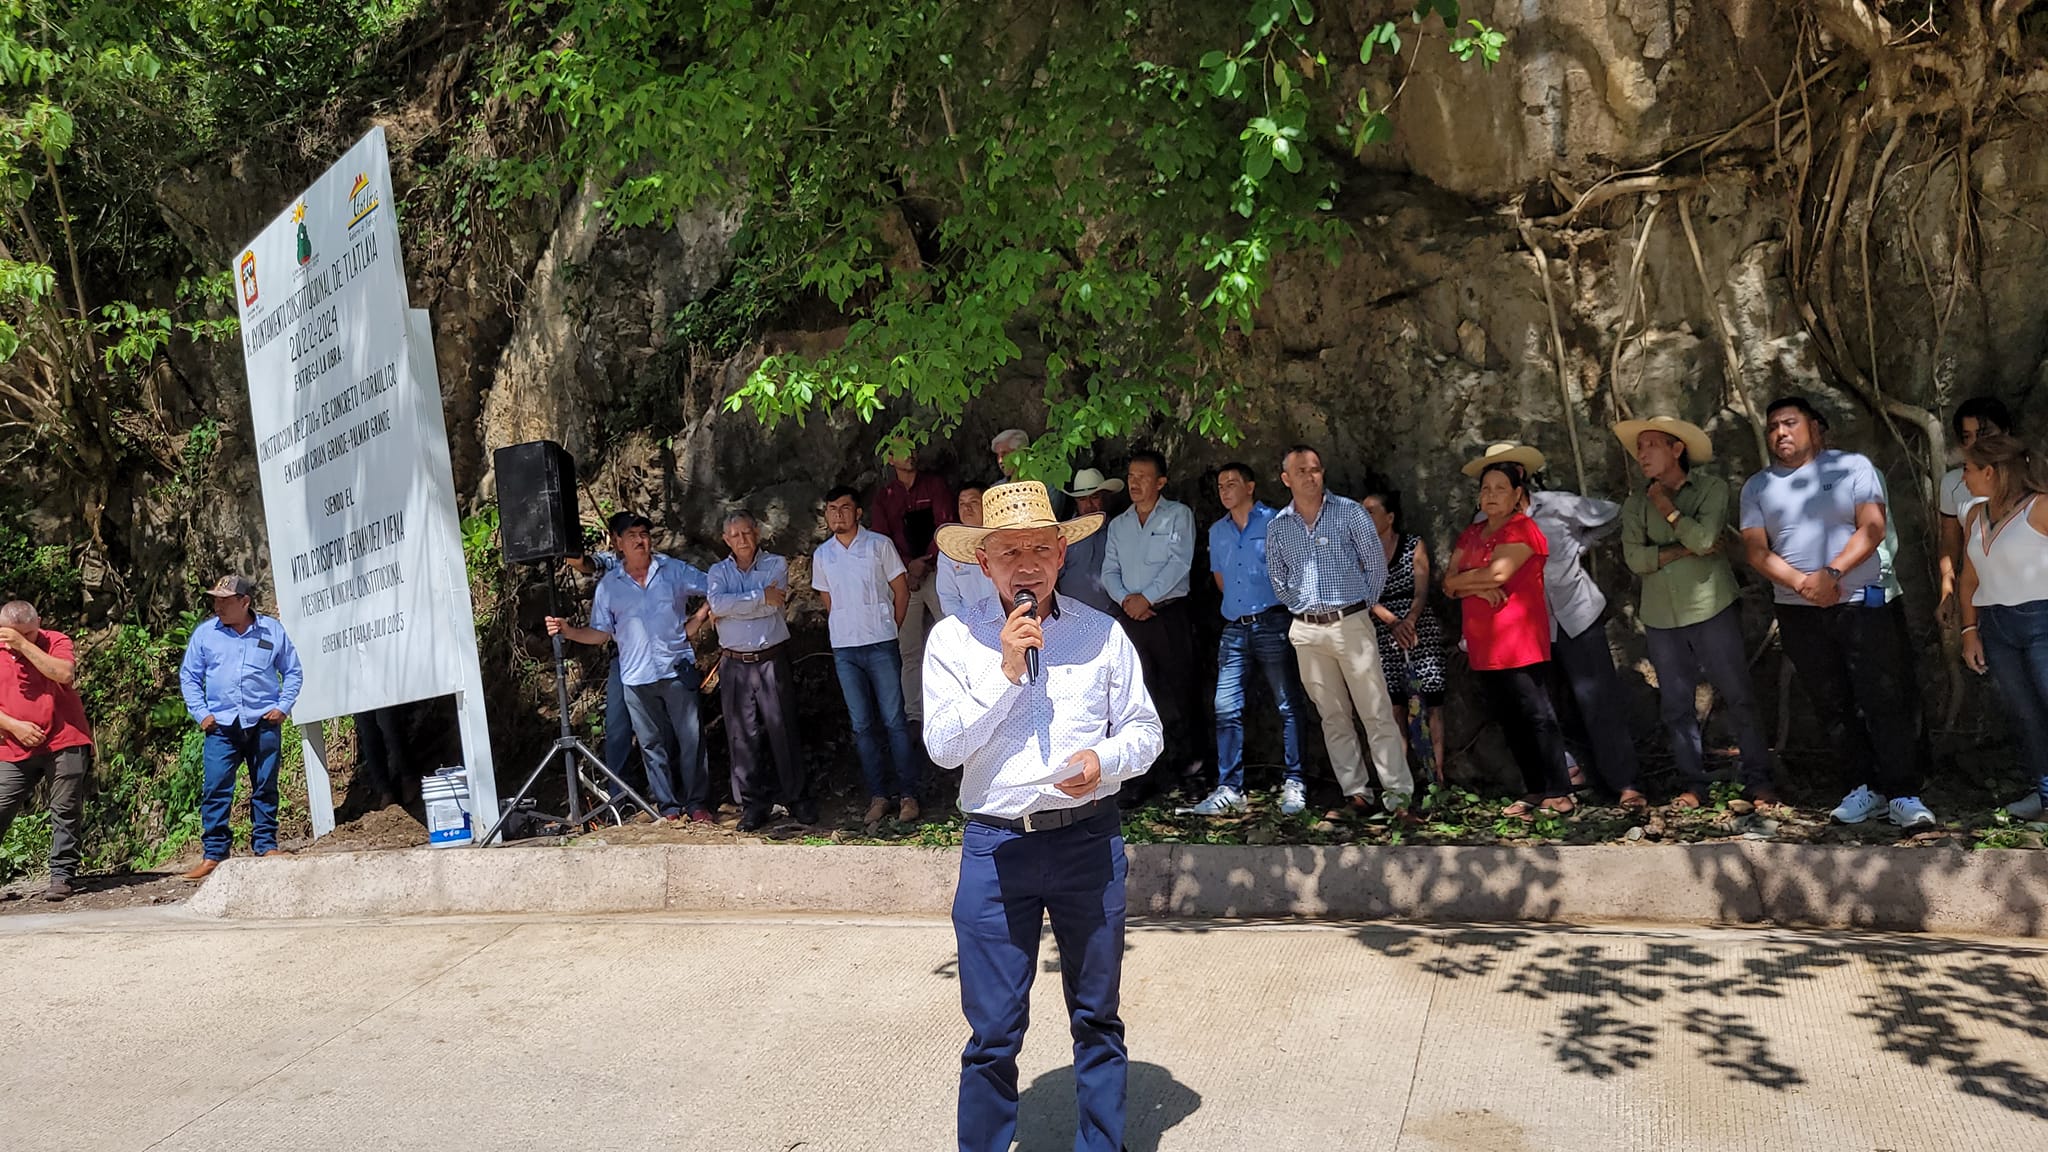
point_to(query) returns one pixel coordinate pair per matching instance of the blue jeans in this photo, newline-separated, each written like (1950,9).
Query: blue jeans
(1009,883)
(2016,649)
(226,750)
(871,679)
(665,719)
(1263,640)
(618,728)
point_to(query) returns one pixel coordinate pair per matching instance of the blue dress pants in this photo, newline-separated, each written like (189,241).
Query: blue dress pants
(1009,883)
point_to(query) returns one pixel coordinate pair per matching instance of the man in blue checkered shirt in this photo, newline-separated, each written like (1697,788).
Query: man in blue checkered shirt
(1328,566)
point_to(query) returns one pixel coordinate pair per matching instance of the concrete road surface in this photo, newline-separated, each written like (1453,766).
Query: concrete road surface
(149,1030)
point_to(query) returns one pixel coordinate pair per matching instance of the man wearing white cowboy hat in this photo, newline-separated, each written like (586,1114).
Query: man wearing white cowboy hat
(1081,579)
(1042,757)
(1596,722)
(1671,536)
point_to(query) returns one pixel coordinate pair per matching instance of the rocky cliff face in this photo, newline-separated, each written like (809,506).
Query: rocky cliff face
(1617,220)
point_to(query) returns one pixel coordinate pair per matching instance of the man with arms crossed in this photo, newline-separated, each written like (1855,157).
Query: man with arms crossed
(42,734)
(1042,757)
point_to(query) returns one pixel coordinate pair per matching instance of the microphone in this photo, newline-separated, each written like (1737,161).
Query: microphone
(1030,603)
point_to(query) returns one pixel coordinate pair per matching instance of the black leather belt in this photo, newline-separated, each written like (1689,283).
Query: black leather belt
(1044,821)
(764,654)
(1254,618)
(1333,617)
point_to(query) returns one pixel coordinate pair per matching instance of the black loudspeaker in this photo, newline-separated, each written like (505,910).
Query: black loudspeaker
(537,513)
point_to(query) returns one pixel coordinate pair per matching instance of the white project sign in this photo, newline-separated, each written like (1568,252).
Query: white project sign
(338,413)
(365,548)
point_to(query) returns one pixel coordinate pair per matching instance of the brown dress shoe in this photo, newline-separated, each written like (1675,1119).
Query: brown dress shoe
(909,812)
(273,852)
(878,810)
(60,890)
(204,870)
(1686,801)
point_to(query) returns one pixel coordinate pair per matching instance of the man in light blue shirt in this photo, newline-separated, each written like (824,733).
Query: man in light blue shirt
(1254,629)
(1326,562)
(240,678)
(643,605)
(1145,565)
(618,722)
(749,593)
(1081,575)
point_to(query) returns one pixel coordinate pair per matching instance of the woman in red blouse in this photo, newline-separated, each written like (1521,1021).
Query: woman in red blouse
(1497,577)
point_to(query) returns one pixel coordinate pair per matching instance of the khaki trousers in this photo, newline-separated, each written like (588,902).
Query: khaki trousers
(1340,667)
(918,620)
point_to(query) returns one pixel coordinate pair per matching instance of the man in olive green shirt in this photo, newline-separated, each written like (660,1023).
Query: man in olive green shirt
(1671,536)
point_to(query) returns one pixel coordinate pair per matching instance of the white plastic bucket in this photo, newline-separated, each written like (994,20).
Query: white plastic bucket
(446,795)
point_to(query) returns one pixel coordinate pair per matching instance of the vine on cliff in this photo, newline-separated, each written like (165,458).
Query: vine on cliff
(1069,192)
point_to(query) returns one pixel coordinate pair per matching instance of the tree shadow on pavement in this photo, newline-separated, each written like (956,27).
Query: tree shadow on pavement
(1938,1004)
(1156,1103)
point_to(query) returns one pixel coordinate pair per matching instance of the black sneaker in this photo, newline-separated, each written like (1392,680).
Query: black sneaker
(754,819)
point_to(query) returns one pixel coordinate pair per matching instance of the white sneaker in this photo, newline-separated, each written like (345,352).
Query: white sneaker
(1909,812)
(1294,798)
(1221,802)
(2027,809)
(1858,806)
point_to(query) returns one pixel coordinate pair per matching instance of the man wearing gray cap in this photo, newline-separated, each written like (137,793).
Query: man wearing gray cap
(240,679)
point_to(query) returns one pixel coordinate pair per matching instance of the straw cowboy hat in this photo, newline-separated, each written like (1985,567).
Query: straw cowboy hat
(1005,507)
(1089,481)
(1699,447)
(1506,452)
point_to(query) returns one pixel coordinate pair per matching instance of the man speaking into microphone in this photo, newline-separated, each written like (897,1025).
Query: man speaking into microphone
(1041,704)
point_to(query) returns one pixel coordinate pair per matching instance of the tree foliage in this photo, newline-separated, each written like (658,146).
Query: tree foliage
(1074,194)
(98,100)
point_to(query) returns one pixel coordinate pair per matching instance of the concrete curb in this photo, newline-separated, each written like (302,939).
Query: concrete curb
(1999,893)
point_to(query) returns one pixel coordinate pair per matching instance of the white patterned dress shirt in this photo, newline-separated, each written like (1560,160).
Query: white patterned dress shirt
(1012,741)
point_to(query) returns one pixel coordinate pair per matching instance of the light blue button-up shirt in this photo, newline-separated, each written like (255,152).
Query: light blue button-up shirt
(1152,559)
(1081,575)
(1330,564)
(1239,556)
(747,622)
(646,622)
(236,677)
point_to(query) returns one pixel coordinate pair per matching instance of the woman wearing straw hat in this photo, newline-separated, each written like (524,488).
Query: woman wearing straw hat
(1043,707)
(1671,536)
(1588,696)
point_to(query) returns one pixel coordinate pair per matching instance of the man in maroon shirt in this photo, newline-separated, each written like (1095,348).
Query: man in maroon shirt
(42,733)
(908,508)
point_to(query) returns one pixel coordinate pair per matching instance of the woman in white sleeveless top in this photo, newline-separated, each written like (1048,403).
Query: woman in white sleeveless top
(2004,592)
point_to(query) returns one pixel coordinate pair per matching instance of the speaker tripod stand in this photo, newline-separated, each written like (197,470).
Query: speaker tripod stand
(572,752)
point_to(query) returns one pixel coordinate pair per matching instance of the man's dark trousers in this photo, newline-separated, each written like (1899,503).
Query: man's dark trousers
(758,698)
(1009,882)
(1166,650)
(66,769)
(1593,712)
(1857,668)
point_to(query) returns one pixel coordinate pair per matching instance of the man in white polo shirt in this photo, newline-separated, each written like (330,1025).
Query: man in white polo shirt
(866,593)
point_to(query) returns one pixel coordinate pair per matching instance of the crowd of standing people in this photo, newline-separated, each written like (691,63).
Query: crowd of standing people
(1324,600)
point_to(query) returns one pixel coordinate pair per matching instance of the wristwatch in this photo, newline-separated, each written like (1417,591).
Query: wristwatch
(1833,572)
(1671,517)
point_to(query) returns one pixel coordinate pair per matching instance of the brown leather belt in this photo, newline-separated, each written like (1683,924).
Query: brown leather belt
(765,654)
(1334,616)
